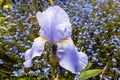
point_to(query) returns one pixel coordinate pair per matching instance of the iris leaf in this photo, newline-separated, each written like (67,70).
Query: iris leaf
(89,73)
(88,65)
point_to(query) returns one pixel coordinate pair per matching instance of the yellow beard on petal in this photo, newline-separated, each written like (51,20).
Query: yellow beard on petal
(51,2)
(64,41)
(40,39)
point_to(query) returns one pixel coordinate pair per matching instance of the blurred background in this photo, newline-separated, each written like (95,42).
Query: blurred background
(96,30)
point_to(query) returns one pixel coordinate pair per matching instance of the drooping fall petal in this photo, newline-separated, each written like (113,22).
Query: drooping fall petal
(70,58)
(36,50)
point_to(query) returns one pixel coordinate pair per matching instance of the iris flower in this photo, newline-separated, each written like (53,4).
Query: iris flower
(56,29)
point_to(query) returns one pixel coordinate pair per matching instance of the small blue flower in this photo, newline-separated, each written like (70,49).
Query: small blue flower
(56,29)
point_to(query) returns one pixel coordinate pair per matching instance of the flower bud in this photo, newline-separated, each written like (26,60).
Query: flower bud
(53,57)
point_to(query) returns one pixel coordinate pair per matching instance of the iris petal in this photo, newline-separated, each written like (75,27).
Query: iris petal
(36,50)
(70,58)
(55,24)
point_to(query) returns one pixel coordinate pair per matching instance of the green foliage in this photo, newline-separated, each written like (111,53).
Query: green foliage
(89,73)
(6,4)
(86,74)
(20,29)
(8,60)
(88,65)
(3,24)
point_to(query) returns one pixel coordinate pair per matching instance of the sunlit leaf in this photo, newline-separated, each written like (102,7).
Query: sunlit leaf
(7,17)
(4,28)
(9,1)
(7,6)
(81,50)
(88,65)
(1,1)
(1,19)
(89,73)
(12,24)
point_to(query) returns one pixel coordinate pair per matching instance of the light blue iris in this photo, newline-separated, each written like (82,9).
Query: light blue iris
(56,29)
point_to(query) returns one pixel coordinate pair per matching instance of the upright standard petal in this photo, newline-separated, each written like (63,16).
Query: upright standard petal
(55,24)
(70,58)
(36,50)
